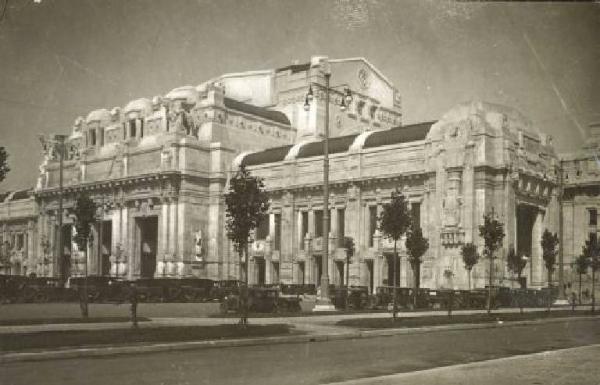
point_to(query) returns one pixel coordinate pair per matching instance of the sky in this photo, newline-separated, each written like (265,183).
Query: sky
(60,59)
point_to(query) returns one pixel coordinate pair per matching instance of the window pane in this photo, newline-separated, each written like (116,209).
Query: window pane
(318,223)
(372,223)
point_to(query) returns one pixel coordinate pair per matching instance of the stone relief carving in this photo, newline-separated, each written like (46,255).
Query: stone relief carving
(198,245)
(166,158)
(452,202)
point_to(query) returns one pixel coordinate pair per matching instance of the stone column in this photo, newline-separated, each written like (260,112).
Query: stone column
(127,240)
(163,239)
(173,219)
(537,262)
(378,264)
(311,222)
(299,237)
(269,247)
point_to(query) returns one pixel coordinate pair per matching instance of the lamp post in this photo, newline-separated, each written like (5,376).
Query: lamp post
(323,302)
(59,146)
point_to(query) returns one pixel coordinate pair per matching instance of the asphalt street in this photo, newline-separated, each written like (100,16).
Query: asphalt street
(571,366)
(310,363)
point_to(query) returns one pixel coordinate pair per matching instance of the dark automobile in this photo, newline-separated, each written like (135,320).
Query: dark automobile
(261,300)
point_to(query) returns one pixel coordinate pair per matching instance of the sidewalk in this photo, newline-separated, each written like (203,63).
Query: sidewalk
(312,323)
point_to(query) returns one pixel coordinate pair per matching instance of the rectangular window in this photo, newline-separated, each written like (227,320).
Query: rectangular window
(124,131)
(101,136)
(341,220)
(318,223)
(92,137)
(593,237)
(593,217)
(304,230)
(263,228)
(277,241)
(416,213)
(372,223)
(141,128)
(132,128)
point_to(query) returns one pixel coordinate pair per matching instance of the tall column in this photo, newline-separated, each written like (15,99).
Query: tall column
(173,227)
(537,263)
(163,238)
(377,272)
(299,236)
(311,222)
(54,268)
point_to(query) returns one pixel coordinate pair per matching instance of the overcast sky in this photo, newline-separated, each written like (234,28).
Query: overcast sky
(60,59)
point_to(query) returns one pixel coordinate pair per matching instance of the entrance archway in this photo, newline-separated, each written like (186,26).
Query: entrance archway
(526,216)
(148,237)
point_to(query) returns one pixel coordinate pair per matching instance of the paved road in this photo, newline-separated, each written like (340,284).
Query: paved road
(572,366)
(309,363)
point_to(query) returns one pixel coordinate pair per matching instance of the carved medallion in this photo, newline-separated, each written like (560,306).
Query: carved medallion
(364,79)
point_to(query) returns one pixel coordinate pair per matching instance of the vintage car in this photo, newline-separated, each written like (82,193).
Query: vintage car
(260,300)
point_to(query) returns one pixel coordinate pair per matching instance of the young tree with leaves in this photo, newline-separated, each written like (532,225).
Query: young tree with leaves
(591,252)
(350,249)
(246,204)
(549,243)
(515,262)
(492,232)
(595,266)
(582,263)
(395,219)
(416,246)
(4,169)
(470,257)
(85,217)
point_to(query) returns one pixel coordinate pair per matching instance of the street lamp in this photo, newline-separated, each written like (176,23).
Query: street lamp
(59,143)
(323,302)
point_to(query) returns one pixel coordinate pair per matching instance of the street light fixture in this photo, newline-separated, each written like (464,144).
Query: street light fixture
(323,302)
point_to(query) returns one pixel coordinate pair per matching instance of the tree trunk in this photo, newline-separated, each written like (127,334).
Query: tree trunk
(242,290)
(469,278)
(347,279)
(490,281)
(84,297)
(395,304)
(549,289)
(417,273)
(580,288)
(593,291)
(246,267)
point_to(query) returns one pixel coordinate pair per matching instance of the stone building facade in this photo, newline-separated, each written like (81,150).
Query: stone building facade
(158,168)
(477,158)
(580,204)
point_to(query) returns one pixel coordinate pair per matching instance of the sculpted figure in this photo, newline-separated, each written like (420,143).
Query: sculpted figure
(198,243)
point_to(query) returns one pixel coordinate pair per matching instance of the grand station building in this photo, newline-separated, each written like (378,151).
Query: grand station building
(158,169)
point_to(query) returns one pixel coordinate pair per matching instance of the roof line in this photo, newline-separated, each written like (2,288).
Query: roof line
(360,58)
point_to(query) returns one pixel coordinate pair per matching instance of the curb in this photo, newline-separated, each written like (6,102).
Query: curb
(275,340)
